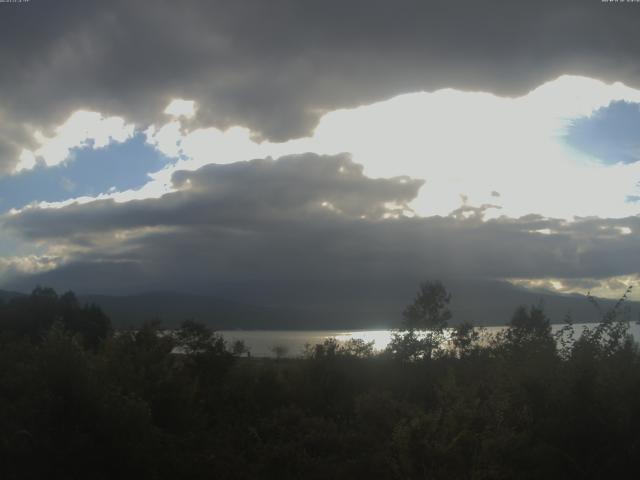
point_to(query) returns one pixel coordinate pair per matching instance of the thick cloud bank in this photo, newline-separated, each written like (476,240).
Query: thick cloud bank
(276,66)
(301,223)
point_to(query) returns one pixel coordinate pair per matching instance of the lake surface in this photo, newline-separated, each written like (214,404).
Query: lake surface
(262,342)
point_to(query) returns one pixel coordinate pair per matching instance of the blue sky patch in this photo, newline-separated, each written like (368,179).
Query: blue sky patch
(91,172)
(611,134)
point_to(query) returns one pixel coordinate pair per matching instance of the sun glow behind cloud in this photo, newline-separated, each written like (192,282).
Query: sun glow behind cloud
(474,146)
(482,155)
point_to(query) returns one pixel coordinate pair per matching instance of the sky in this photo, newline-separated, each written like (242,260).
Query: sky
(299,151)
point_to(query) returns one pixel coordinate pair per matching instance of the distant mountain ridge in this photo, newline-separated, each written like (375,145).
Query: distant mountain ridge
(6,295)
(171,308)
(482,303)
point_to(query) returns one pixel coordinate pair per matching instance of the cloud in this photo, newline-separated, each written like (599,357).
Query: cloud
(608,287)
(244,192)
(214,83)
(81,129)
(464,144)
(88,172)
(29,264)
(276,67)
(181,108)
(306,227)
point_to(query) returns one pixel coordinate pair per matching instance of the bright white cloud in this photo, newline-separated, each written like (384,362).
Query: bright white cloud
(472,148)
(166,138)
(181,108)
(465,144)
(82,129)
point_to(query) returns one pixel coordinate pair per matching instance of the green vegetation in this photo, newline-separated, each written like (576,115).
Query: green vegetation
(80,401)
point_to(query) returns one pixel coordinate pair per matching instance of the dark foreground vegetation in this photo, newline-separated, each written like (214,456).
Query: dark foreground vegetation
(79,401)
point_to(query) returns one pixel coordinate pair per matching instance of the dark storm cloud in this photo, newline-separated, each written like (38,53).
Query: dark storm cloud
(262,224)
(276,66)
(238,195)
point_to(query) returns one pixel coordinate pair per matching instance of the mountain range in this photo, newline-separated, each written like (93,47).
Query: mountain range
(482,303)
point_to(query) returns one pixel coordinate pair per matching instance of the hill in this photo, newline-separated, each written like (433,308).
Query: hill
(482,303)
(6,295)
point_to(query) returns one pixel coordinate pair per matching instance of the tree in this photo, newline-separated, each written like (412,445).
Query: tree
(428,314)
(279,351)
(529,332)
(464,337)
(195,338)
(356,348)
(611,335)
(430,308)
(34,315)
(332,348)
(239,348)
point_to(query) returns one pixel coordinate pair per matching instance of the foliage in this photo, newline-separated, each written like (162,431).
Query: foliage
(611,334)
(464,339)
(529,333)
(425,319)
(155,404)
(34,315)
(330,348)
(279,351)
(430,308)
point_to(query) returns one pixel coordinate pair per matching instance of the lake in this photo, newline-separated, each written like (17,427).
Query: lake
(261,342)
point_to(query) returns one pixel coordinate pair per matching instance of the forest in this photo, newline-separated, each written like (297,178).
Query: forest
(80,400)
